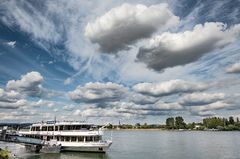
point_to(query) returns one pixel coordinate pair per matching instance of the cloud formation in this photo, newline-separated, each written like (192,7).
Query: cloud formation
(235,68)
(138,98)
(124,25)
(12,104)
(207,109)
(12,44)
(168,87)
(98,92)
(29,84)
(173,49)
(201,98)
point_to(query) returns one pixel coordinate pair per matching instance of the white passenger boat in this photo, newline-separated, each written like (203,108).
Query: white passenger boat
(72,136)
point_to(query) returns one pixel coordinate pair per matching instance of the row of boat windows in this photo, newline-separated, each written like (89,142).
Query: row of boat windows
(60,127)
(68,138)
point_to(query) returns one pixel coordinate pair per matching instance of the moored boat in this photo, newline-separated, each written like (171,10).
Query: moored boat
(71,135)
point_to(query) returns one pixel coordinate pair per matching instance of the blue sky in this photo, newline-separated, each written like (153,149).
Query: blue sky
(104,61)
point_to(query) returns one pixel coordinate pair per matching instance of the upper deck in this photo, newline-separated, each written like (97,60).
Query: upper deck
(62,128)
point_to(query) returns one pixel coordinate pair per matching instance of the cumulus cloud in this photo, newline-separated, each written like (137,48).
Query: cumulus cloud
(98,112)
(12,44)
(173,49)
(128,110)
(138,98)
(9,96)
(235,68)
(29,84)
(168,87)
(124,25)
(201,98)
(203,114)
(41,102)
(98,92)
(12,104)
(158,106)
(69,107)
(207,109)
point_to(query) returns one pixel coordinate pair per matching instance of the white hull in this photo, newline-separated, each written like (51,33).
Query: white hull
(87,147)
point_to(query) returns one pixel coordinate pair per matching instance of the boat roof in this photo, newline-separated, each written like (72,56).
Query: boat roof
(51,123)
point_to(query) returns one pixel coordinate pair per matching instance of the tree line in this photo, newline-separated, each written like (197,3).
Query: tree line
(206,124)
(176,123)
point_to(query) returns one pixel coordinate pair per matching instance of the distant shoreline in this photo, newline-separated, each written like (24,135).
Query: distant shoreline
(164,130)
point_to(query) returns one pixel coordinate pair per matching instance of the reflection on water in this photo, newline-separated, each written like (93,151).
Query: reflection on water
(21,153)
(68,155)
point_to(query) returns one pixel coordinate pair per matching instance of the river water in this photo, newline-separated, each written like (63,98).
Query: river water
(151,144)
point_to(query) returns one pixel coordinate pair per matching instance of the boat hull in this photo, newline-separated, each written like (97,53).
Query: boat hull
(87,147)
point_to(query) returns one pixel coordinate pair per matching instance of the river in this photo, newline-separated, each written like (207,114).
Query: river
(153,144)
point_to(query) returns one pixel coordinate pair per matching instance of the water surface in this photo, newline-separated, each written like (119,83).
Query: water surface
(155,144)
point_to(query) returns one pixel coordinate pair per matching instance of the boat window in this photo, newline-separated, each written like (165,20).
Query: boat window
(73,139)
(50,128)
(97,138)
(66,127)
(33,129)
(58,138)
(44,128)
(89,138)
(67,138)
(61,127)
(62,138)
(80,139)
(78,127)
(37,128)
(83,127)
(56,128)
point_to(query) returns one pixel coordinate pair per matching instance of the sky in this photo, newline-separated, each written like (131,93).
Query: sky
(128,60)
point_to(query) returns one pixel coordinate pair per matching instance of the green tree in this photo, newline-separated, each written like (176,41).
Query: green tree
(191,125)
(213,123)
(231,120)
(170,123)
(179,123)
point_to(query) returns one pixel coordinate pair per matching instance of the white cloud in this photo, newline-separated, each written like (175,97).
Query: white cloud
(203,114)
(69,107)
(167,106)
(138,98)
(124,25)
(68,81)
(11,43)
(98,92)
(201,98)
(42,102)
(30,20)
(29,84)
(12,104)
(235,68)
(205,109)
(172,49)
(9,96)
(168,87)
